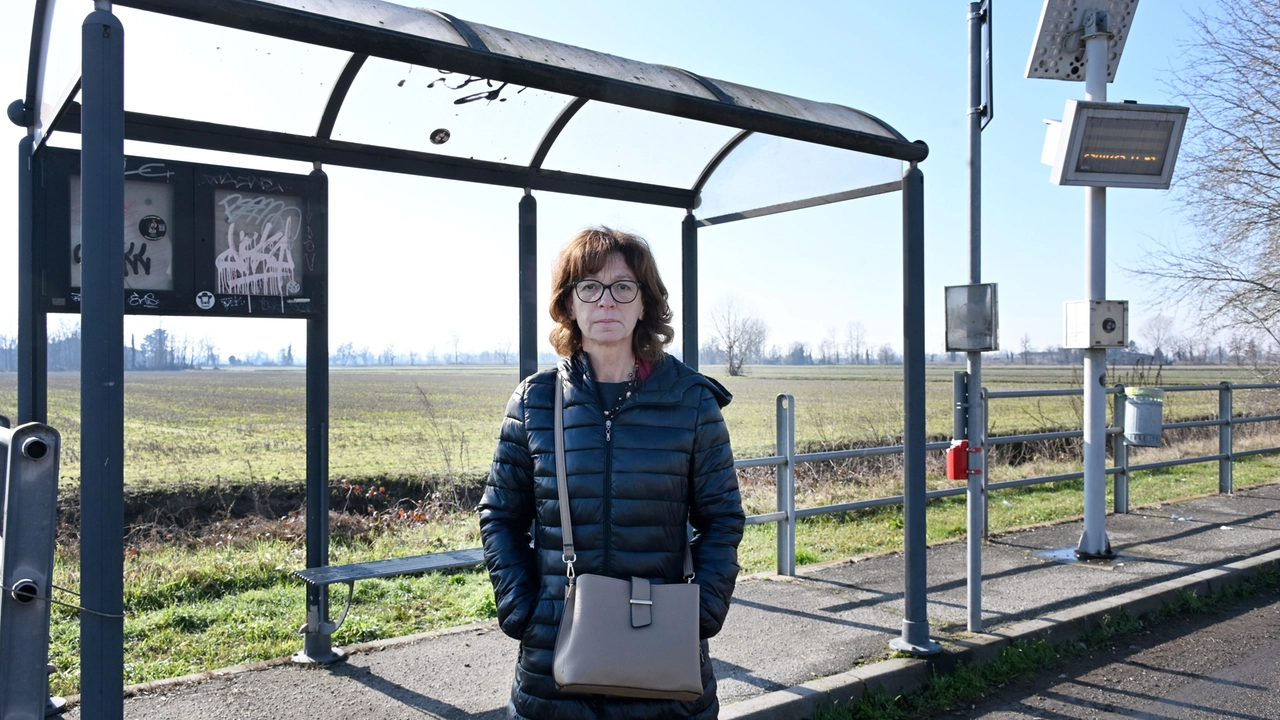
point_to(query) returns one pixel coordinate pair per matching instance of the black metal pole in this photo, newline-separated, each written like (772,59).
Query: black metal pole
(915,623)
(317,639)
(102,368)
(528,259)
(33,357)
(689,270)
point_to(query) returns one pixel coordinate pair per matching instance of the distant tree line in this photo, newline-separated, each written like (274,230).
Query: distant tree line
(349,354)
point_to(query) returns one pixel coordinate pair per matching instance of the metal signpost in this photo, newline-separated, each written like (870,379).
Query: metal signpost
(981,111)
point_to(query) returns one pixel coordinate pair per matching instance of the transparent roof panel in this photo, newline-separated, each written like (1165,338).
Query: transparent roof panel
(62,64)
(412,107)
(204,72)
(766,174)
(620,142)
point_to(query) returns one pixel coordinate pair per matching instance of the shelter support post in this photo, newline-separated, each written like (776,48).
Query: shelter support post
(33,358)
(528,259)
(317,634)
(689,289)
(975,495)
(1093,541)
(102,373)
(915,623)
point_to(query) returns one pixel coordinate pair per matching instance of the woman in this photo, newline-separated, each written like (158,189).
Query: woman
(648,451)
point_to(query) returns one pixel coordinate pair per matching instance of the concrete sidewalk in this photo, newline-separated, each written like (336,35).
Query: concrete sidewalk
(788,642)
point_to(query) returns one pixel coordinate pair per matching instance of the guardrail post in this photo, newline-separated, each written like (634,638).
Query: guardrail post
(29,480)
(787,484)
(1120,455)
(1226,483)
(986,479)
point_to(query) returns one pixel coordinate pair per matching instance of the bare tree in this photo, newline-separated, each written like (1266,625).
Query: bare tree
(855,342)
(738,333)
(886,355)
(1229,171)
(1158,333)
(830,347)
(1026,348)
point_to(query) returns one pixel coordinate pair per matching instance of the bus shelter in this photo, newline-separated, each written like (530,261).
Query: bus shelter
(493,106)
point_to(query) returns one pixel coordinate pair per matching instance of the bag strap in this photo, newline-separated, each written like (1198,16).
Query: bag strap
(562,482)
(562,490)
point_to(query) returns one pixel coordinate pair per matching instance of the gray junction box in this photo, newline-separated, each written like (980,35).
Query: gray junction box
(1096,324)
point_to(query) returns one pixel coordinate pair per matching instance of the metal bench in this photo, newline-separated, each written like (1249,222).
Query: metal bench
(411,565)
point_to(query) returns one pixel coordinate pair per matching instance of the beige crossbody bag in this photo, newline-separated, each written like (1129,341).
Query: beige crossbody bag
(627,638)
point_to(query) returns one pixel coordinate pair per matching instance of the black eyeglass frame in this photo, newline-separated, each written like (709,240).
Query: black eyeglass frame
(607,288)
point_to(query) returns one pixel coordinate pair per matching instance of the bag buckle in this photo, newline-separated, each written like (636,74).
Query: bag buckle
(569,560)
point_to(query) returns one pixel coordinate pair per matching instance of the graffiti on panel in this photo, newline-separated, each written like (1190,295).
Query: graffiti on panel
(148,242)
(258,237)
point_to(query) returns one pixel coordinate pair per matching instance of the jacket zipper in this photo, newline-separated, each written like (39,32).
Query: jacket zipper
(608,492)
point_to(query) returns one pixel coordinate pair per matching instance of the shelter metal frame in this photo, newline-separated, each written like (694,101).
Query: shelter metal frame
(371,28)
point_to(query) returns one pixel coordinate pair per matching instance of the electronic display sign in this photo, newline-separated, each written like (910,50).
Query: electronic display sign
(1115,144)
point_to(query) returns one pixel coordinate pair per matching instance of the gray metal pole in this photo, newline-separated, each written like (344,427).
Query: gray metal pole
(689,289)
(786,484)
(1120,456)
(1226,481)
(317,639)
(1093,541)
(102,367)
(33,356)
(915,622)
(528,285)
(975,502)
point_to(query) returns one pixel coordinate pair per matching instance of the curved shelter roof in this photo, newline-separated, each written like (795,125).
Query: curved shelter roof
(409,90)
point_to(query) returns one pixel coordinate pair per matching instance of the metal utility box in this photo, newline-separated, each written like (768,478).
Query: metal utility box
(1096,324)
(1143,416)
(972,318)
(29,473)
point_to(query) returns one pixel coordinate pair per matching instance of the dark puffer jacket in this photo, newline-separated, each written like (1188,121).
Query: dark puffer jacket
(667,459)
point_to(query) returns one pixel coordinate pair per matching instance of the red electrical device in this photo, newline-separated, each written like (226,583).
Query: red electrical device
(958,460)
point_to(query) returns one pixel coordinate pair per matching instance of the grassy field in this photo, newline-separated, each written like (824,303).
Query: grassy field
(227,596)
(249,425)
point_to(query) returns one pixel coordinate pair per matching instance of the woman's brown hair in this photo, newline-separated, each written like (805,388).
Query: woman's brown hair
(586,253)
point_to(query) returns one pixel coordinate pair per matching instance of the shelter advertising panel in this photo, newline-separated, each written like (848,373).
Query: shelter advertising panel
(198,239)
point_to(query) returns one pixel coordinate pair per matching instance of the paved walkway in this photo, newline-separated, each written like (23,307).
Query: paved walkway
(781,632)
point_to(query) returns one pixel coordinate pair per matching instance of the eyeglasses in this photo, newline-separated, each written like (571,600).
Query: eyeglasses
(623,291)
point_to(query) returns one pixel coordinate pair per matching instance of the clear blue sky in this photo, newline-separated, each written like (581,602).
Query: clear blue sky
(416,261)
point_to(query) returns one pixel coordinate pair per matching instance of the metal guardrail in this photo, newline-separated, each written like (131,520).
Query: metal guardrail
(785,463)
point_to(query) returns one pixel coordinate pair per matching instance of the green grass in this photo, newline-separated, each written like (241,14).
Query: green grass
(249,424)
